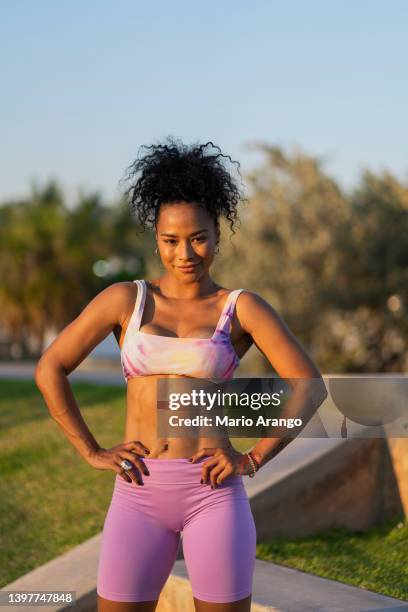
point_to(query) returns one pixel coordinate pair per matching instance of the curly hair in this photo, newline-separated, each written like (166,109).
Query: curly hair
(175,172)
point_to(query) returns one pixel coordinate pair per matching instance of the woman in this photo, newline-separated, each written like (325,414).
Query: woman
(181,324)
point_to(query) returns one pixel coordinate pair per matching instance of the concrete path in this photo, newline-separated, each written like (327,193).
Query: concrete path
(290,590)
(86,372)
(276,588)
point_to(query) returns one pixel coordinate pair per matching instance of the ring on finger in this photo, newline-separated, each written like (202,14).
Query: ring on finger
(126,465)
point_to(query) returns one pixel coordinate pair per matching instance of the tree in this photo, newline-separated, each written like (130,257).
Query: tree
(49,258)
(334,266)
(285,248)
(373,273)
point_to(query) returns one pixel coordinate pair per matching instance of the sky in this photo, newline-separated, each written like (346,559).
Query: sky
(85,84)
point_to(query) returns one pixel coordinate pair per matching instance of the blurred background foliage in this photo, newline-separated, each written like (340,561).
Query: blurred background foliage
(334,265)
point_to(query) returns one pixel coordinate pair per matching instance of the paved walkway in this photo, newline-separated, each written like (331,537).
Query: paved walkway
(276,588)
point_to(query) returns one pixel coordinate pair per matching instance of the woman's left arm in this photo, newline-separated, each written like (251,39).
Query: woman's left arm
(290,360)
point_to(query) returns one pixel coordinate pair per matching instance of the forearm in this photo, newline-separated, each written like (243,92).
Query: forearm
(303,402)
(58,396)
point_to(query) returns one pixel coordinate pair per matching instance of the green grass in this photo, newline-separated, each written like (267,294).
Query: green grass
(376,560)
(50,498)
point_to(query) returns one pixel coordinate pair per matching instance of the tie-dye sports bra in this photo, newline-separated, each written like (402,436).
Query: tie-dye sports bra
(210,358)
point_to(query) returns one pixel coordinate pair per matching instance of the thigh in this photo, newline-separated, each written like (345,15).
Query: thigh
(219,545)
(137,555)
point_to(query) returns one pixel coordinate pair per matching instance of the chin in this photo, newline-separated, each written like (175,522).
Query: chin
(190,276)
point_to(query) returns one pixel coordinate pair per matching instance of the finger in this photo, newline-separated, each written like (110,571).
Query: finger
(204,452)
(206,468)
(137,446)
(208,452)
(119,470)
(227,471)
(140,465)
(133,459)
(217,469)
(133,473)
(135,476)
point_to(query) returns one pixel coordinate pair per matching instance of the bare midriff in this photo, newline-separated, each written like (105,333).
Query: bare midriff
(141,423)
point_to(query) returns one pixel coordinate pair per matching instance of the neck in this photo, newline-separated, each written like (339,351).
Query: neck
(171,287)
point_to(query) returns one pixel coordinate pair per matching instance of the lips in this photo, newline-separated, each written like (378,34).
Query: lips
(189,268)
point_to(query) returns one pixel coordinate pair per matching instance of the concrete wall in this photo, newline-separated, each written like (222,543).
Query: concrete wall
(352,486)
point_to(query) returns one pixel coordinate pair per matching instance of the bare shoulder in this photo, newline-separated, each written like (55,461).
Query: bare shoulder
(250,298)
(253,309)
(100,316)
(273,337)
(118,298)
(120,290)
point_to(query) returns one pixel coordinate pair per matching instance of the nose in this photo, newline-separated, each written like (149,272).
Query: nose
(185,250)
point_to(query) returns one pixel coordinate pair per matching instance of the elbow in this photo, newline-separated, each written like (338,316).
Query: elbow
(319,386)
(322,391)
(316,389)
(43,371)
(39,373)
(323,387)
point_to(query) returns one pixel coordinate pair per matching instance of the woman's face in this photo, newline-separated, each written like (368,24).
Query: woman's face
(186,237)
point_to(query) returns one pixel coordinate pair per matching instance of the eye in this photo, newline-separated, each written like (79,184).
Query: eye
(200,238)
(170,240)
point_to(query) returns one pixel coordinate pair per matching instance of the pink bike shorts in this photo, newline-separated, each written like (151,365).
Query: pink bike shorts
(141,535)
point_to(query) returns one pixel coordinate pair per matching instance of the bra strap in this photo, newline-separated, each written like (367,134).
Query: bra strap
(139,306)
(224,324)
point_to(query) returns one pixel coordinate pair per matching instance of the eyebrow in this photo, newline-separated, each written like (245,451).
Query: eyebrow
(175,235)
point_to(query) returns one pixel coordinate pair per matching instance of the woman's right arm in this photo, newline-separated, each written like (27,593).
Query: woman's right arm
(106,311)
